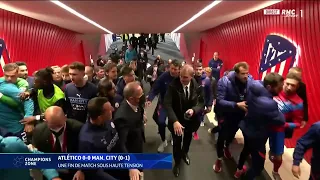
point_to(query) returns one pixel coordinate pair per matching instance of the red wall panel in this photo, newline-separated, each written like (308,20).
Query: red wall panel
(242,40)
(37,43)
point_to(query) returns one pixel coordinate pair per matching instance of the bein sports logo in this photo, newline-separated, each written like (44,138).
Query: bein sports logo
(283,12)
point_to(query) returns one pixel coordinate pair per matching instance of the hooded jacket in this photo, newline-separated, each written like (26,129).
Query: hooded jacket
(15,145)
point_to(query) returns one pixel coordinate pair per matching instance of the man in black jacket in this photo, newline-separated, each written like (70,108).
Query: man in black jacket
(58,135)
(183,101)
(129,122)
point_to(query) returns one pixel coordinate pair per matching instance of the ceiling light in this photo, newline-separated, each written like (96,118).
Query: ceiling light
(204,10)
(67,8)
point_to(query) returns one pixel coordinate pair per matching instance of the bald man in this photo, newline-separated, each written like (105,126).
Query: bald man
(183,101)
(129,122)
(57,134)
(215,64)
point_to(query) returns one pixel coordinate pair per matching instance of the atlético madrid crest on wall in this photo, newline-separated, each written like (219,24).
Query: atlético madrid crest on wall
(279,54)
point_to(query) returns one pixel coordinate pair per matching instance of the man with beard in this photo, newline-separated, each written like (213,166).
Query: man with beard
(23,73)
(160,87)
(78,93)
(262,112)
(291,105)
(231,98)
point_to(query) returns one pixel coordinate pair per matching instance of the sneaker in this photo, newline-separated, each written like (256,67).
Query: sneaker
(241,172)
(162,146)
(217,167)
(209,130)
(195,136)
(202,124)
(227,153)
(276,176)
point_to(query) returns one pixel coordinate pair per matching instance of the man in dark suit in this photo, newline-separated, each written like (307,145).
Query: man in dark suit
(183,101)
(58,135)
(129,122)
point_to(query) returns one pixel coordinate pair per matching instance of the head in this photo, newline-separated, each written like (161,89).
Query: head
(100,110)
(175,68)
(65,73)
(215,56)
(297,71)
(208,71)
(89,71)
(111,71)
(169,61)
(56,73)
(55,118)
(158,57)
(199,61)
(76,72)
(128,74)
(130,47)
(291,83)
(133,92)
(242,71)
(11,72)
(23,70)
(43,78)
(199,69)
(183,63)
(106,88)
(186,74)
(273,82)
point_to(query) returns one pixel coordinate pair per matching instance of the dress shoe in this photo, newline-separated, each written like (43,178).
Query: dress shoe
(186,159)
(176,171)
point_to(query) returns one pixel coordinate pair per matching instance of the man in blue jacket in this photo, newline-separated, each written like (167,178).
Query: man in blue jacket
(160,87)
(310,140)
(262,112)
(216,64)
(232,92)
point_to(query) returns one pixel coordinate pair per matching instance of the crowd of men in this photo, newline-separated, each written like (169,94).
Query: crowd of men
(92,109)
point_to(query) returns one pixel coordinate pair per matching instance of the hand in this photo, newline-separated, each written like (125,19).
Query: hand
(303,124)
(242,105)
(148,104)
(134,174)
(190,112)
(178,128)
(296,171)
(28,128)
(31,147)
(78,175)
(28,120)
(214,102)
(24,95)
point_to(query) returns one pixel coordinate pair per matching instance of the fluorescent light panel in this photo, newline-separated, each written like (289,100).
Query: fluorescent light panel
(204,10)
(67,8)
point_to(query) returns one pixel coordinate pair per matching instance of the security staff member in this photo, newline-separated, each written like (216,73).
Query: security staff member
(183,101)
(98,135)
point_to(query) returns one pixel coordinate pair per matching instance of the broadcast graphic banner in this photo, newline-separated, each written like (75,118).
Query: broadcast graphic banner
(86,161)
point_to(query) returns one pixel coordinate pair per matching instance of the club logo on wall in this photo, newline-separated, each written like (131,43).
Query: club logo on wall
(279,55)
(4,59)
